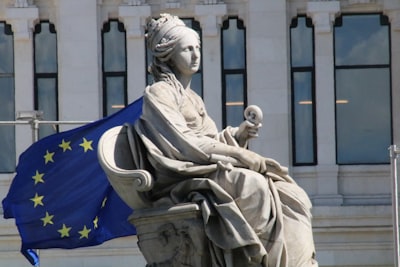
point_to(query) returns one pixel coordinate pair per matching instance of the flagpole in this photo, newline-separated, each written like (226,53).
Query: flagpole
(394,152)
(35,116)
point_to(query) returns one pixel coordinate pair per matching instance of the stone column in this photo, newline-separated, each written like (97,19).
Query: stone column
(268,76)
(22,19)
(134,18)
(210,18)
(323,15)
(79,60)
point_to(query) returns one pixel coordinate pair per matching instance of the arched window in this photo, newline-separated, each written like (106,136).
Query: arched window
(45,75)
(303,91)
(114,67)
(363,89)
(234,80)
(7,99)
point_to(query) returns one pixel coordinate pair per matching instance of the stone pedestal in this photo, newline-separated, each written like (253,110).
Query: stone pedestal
(172,236)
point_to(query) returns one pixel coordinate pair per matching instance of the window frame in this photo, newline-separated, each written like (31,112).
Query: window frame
(384,21)
(112,74)
(10,154)
(310,69)
(226,72)
(45,75)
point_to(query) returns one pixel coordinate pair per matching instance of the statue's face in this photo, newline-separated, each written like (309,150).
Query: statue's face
(185,59)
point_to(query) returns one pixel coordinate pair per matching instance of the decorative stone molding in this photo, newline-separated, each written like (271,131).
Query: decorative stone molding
(134,18)
(394,17)
(21,3)
(171,5)
(22,20)
(133,2)
(210,17)
(211,2)
(323,14)
(357,2)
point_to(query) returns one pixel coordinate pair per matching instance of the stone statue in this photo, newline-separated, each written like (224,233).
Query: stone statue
(250,212)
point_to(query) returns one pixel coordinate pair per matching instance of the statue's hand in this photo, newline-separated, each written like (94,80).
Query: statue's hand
(249,128)
(260,164)
(253,161)
(246,131)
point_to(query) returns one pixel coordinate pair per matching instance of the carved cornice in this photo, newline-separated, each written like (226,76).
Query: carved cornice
(212,2)
(21,3)
(22,20)
(171,5)
(394,17)
(134,18)
(210,17)
(323,14)
(358,2)
(134,2)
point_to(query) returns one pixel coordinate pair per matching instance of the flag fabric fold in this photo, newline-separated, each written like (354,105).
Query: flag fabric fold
(60,197)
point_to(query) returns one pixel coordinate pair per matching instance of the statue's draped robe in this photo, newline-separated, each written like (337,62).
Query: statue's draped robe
(263,219)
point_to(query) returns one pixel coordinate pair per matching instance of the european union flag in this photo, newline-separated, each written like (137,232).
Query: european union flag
(60,196)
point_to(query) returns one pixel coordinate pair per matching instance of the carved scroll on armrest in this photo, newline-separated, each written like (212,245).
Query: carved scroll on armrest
(116,160)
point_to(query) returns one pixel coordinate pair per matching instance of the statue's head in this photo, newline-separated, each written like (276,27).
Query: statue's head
(164,33)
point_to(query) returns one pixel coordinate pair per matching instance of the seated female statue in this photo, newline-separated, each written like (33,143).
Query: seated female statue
(251,207)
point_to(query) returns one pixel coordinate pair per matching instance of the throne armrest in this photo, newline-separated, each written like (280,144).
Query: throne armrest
(117,162)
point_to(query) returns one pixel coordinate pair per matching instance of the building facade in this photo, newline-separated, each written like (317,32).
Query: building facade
(325,74)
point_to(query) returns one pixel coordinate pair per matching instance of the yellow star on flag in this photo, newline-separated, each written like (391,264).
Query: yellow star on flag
(84,232)
(95,222)
(87,145)
(65,145)
(38,177)
(48,157)
(47,219)
(103,204)
(64,231)
(37,200)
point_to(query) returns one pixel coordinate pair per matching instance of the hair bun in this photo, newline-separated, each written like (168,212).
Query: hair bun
(157,28)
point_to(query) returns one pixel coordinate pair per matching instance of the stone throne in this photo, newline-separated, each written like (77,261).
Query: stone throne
(167,236)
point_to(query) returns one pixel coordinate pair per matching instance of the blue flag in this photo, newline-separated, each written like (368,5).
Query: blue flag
(60,196)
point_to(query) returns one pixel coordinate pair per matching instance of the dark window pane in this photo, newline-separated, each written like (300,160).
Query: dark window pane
(47,102)
(362,40)
(45,48)
(363,112)
(234,94)
(7,154)
(7,132)
(234,99)
(7,100)
(114,45)
(234,115)
(7,107)
(114,67)
(46,95)
(301,44)
(197,79)
(234,88)
(233,40)
(197,83)
(303,117)
(6,50)
(115,94)
(303,101)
